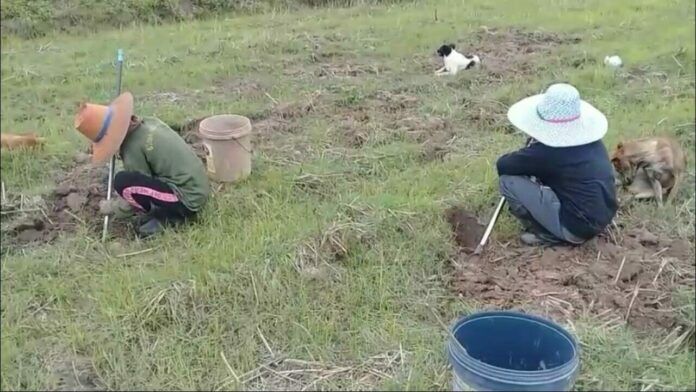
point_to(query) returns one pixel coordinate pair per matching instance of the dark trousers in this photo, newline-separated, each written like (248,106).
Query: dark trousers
(537,207)
(152,196)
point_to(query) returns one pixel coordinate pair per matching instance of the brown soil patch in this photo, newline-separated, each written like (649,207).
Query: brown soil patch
(74,202)
(395,102)
(297,109)
(487,114)
(617,280)
(354,125)
(422,129)
(506,53)
(513,52)
(465,226)
(346,70)
(283,118)
(73,373)
(239,87)
(268,126)
(393,113)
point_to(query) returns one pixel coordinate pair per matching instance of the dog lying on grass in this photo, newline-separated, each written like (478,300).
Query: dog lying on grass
(455,61)
(11,141)
(650,167)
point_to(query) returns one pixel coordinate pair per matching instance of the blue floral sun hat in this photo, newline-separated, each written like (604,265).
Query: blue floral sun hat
(559,118)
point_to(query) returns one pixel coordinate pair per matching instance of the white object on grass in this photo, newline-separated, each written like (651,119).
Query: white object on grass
(613,61)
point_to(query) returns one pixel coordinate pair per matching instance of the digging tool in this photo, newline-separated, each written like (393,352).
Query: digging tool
(112,162)
(489,228)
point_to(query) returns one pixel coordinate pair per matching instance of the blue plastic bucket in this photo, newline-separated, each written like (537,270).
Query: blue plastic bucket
(511,351)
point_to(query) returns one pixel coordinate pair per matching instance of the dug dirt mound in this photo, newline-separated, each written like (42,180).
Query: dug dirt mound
(74,202)
(465,226)
(627,280)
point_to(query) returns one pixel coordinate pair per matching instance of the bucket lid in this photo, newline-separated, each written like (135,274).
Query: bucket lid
(224,127)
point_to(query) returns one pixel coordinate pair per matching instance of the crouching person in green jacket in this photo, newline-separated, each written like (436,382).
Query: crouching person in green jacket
(163,179)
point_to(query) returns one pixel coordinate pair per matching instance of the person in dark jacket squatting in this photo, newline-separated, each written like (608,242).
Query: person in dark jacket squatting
(162,177)
(561,185)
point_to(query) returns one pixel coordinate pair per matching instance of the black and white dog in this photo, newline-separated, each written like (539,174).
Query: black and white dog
(455,61)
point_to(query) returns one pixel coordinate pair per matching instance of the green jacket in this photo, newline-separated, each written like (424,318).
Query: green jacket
(158,151)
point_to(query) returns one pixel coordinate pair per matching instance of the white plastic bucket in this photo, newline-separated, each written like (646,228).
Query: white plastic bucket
(227,142)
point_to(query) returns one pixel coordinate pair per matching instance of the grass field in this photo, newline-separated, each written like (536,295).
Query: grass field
(335,250)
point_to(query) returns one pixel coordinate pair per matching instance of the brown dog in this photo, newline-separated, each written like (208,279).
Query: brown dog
(650,167)
(13,141)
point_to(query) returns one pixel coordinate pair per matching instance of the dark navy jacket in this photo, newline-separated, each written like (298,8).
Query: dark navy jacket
(582,177)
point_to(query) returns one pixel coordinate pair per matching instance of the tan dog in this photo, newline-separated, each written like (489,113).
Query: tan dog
(13,141)
(650,167)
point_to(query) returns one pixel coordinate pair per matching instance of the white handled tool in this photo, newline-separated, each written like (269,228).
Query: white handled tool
(112,162)
(489,228)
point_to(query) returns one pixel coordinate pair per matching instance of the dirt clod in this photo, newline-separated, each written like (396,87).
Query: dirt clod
(28,223)
(679,249)
(630,271)
(76,201)
(467,229)
(645,237)
(63,189)
(30,235)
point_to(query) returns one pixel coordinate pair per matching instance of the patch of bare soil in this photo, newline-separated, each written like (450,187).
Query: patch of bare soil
(346,70)
(628,279)
(487,114)
(71,373)
(390,102)
(397,113)
(297,109)
(511,53)
(73,202)
(238,87)
(354,125)
(465,226)
(283,118)
(507,53)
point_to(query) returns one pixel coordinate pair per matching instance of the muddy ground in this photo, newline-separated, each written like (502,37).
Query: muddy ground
(624,275)
(74,202)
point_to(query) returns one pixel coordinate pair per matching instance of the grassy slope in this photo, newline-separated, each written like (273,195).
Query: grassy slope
(222,281)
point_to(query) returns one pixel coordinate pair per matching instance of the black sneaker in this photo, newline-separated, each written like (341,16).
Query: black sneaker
(150,228)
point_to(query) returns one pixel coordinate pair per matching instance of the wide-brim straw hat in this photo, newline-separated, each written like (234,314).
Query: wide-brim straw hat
(559,118)
(105,126)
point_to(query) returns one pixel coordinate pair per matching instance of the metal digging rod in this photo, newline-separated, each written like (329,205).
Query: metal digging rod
(489,228)
(112,162)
